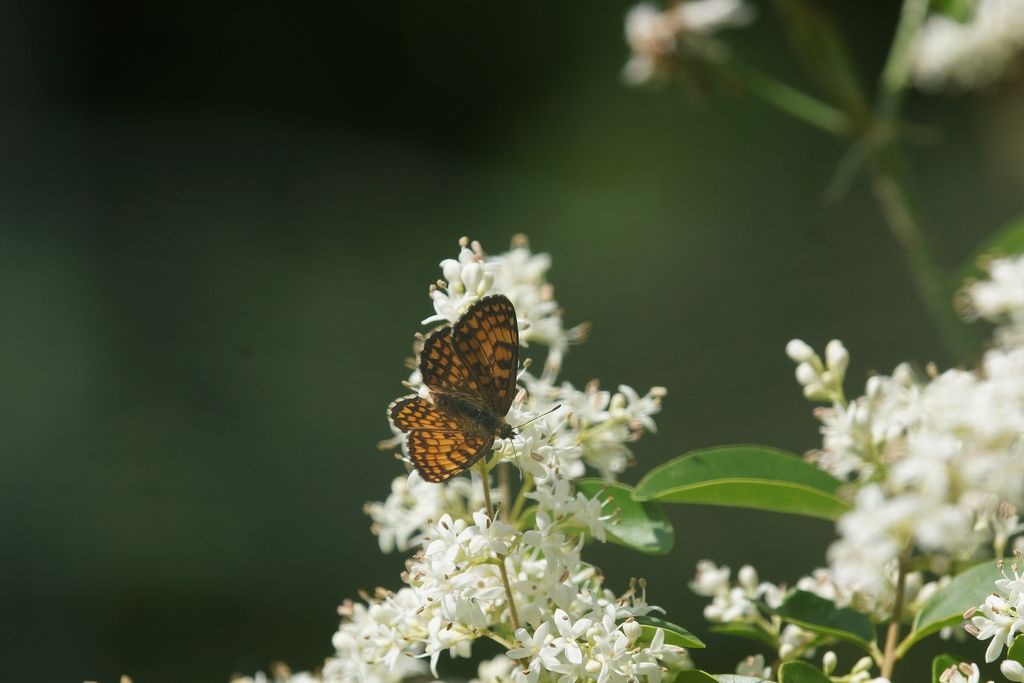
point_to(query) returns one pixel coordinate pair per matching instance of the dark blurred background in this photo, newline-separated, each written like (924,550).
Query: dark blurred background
(217,225)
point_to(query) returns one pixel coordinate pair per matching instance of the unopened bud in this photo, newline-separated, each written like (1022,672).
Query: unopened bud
(1013,670)
(805,374)
(837,358)
(799,351)
(632,630)
(828,663)
(747,577)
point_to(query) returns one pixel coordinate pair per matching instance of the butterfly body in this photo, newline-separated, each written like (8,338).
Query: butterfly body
(474,416)
(470,370)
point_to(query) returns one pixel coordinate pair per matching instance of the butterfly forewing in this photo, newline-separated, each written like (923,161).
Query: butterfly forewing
(442,369)
(487,340)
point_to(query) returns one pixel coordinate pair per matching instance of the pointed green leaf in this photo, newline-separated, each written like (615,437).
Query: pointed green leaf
(801,672)
(818,615)
(674,634)
(1016,651)
(748,631)
(940,664)
(757,477)
(642,526)
(945,608)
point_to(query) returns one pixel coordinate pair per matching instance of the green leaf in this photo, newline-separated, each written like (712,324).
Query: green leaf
(1006,242)
(957,10)
(736,678)
(695,676)
(1016,651)
(748,631)
(757,477)
(641,526)
(813,34)
(945,608)
(674,634)
(940,664)
(801,672)
(819,615)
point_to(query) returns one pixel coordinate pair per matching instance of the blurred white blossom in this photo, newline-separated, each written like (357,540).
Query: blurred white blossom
(971,54)
(657,36)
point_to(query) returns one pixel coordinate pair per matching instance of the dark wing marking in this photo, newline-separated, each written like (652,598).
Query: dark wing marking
(440,455)
(486,338)
(442,369)
(413,412)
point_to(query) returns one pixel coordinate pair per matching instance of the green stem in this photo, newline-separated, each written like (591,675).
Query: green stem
(788,99)
(893,634)
(517,506)
(512,614)
(896,72)
(891,192)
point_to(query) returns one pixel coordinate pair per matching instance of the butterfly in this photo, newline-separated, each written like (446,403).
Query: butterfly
(470,369)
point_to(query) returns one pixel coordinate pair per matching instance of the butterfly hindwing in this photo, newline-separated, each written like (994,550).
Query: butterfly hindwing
(440,455)
(413,412)
(486,338)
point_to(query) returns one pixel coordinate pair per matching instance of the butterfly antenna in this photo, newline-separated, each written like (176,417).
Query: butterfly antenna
(519,465)
(538,417)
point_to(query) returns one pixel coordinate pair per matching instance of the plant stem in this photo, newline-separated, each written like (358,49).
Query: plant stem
(892,192)
(896,72)
(503,488)
(513,615)
(517,507)
(893,635)
(788,99)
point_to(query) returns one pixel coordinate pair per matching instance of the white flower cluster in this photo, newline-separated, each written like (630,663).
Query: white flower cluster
(936,465)
(738,604)
(971,54)
(516,577)
(279,673)
(1001,619)
(656,37)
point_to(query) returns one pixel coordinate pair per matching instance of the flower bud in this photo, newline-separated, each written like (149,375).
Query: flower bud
(863,664)
(837,358)
(805,374)
(828,663)
(799,351)
(451,270)
(747,577)
(632,630)
(816,392)
(1013,670)
(471,275)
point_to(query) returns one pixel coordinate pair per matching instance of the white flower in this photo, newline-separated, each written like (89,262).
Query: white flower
(656,36)
(972,54)
(1000,621)
(961,673)
(754,666)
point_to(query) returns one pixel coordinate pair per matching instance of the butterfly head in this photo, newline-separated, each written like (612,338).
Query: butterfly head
(506,431)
